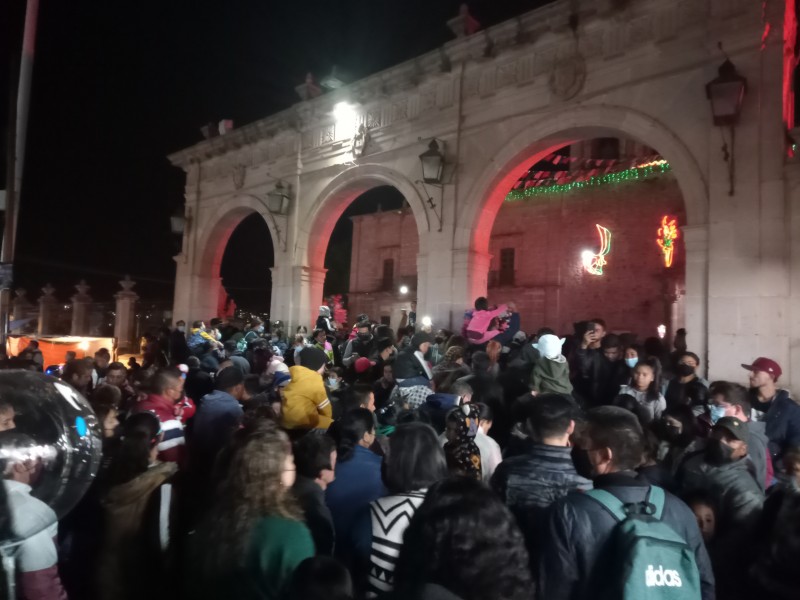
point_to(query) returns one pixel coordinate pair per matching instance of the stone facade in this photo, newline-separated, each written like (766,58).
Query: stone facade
(498,101)
(543,238)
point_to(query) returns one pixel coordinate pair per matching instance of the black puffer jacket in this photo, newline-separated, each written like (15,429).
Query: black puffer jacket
(531,482)
(579,529)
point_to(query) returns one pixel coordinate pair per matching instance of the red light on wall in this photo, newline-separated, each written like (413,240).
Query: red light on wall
(666,236)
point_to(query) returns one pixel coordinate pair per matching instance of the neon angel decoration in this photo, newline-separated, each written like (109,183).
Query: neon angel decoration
(594,263)
(667,234)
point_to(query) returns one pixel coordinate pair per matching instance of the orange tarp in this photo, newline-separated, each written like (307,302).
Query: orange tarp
(55,349)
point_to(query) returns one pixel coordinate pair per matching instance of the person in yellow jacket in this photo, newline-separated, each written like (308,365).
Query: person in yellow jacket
(305,401)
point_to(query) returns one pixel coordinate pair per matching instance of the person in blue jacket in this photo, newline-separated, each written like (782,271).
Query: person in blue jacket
(358,478)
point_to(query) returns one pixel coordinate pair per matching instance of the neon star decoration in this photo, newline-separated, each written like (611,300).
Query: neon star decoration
(594,263)
(667,234)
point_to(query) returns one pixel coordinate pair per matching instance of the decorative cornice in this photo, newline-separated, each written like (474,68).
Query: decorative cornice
(511,54)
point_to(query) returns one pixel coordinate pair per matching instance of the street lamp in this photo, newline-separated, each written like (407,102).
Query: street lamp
(404,289)
(726,94)
(278,199)
(432,164)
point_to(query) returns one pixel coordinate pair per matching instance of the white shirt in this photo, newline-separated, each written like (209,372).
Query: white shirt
(490,452)
(491,455)
(35,524)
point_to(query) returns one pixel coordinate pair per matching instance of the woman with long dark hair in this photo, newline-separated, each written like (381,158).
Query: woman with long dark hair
(463,539)
(414,463)
(645,387)
(462,453)
(254,537)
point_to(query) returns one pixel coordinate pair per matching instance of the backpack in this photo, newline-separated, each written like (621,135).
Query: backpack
(648,560)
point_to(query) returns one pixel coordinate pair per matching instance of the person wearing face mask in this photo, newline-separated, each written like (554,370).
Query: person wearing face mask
(178,348)
(677,430)
(678,388)
(363,346)
(255,331)
(578,527)
(725,473)
(731,400)
(326,323)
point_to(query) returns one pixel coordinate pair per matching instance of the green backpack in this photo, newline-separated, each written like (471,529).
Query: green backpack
(650,560)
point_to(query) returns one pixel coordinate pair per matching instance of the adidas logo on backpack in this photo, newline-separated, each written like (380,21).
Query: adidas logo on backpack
(641,544)
(660,577)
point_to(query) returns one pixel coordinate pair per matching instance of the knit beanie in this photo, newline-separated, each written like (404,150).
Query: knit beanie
(312,358)
(420,338)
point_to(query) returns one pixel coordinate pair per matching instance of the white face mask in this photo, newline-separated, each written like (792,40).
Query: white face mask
(181,328)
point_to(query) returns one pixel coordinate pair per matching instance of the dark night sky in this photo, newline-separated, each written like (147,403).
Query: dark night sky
(119,85)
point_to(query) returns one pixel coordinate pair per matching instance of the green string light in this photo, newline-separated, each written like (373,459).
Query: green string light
(633,174)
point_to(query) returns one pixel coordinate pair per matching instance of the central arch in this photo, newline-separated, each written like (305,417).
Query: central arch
(315,228)
(337,196)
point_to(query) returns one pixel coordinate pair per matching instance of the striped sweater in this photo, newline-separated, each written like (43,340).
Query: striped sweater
(172,447)
(390,517)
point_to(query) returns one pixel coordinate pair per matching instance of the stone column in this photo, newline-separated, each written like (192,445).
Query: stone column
(125,322)
(81,302)
(47,310)
(308,284)
(695,239)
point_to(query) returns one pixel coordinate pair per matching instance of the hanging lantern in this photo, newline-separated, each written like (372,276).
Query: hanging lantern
(726,93)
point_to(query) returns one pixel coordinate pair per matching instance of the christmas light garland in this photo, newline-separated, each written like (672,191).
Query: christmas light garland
(633,174)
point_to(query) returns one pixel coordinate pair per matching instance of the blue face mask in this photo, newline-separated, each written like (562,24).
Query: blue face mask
(631,362)
(716,412)
(333,382)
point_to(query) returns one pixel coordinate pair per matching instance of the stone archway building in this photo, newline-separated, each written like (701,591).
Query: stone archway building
(499,100)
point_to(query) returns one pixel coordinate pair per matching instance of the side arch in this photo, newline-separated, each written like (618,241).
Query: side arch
(217,227)
(315,228)
(556,130)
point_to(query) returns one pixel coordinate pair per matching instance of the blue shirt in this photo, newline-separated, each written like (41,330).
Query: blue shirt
(358,482)
(217,418)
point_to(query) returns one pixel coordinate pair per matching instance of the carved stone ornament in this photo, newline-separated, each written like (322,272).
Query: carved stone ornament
(360,141)
(568,76)
(238,173)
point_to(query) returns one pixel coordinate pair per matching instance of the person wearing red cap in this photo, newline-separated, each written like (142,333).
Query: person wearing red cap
(782,413)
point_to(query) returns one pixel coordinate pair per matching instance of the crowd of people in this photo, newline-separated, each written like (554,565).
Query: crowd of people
(364,462)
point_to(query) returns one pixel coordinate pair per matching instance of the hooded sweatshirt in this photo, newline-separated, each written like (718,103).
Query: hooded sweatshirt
(551,376)
(136,534)
(306,404)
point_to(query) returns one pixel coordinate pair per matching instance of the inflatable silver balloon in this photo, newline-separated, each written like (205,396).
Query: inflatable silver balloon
(54,436)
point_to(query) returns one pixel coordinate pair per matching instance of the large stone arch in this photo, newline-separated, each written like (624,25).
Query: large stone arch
(535,141)
(316,226)
(216,229)
(553,130)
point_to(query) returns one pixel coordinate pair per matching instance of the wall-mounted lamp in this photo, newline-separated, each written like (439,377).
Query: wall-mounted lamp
(433,162)
(278,200)
(177,222)
(726,93)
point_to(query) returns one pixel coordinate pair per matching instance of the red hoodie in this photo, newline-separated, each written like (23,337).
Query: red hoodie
(172,447)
